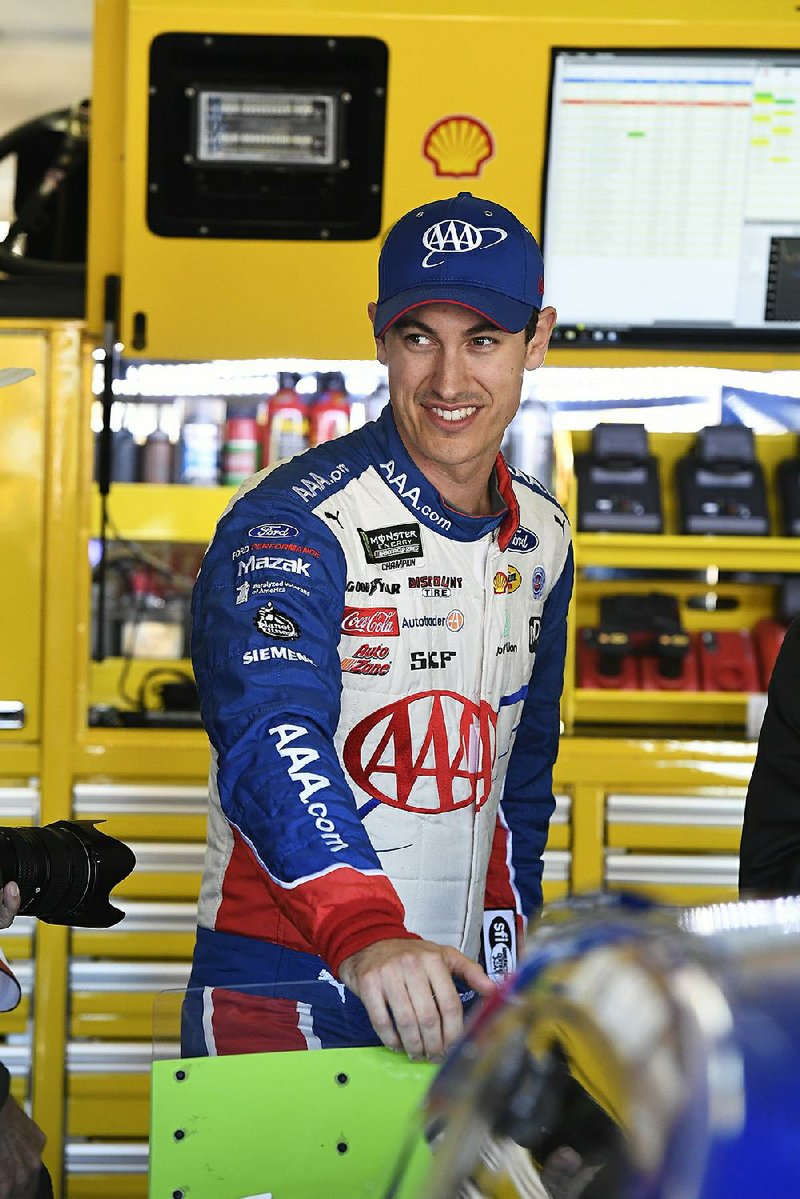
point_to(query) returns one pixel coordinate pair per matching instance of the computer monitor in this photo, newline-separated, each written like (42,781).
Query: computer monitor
(671,213)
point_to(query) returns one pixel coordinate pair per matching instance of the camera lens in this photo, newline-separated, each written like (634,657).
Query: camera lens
(65,871)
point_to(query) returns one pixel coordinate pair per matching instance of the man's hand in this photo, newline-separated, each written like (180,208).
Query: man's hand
(9,904)
(21,1145)
(408,991)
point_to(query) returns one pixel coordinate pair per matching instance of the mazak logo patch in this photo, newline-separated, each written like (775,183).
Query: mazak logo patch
(429,752)
(524,541)
(291,566)
(395,545)
(370,622)
(274,532)
(458,237)
(274,623)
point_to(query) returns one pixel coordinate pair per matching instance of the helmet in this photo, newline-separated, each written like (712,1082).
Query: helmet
(640,1052)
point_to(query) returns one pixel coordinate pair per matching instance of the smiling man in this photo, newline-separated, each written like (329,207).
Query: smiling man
(379,639)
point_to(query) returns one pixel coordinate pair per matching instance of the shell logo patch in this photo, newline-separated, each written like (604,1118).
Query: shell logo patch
(458,146)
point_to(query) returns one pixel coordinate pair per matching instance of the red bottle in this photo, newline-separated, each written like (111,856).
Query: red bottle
(330,413)
(286,429)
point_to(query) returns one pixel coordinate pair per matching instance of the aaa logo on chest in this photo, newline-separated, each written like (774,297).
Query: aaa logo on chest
(431,752)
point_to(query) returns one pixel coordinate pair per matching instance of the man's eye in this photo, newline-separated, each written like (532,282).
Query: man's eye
(417,339)
(485,340)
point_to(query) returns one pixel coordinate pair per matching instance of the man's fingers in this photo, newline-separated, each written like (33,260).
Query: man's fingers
(379,1014)
(449,1005)
(9,904)
(473,974)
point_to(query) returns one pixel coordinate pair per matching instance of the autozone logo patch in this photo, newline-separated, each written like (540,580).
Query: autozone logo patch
(430,752)
(370,622)
(368,659)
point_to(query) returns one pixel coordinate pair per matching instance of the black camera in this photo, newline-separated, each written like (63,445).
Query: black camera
(65,872)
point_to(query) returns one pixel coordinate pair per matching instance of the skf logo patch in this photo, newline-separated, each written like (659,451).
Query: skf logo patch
(458,146)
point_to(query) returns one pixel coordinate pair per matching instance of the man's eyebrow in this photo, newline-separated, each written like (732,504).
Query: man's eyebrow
(413,322)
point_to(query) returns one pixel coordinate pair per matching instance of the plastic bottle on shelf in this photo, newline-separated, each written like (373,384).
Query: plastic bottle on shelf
(530,441)
(124,456)
(156,457)
(377,401)
(330,412)
(199,444)
(286,428)
(240,447)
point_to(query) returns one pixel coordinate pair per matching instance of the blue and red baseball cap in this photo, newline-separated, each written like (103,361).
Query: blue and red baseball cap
(463,250)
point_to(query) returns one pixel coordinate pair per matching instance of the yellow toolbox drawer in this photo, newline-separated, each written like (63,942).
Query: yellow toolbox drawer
(683,879)
(674,822)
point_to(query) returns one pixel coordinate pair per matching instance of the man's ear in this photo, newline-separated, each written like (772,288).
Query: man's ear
(380,345)
(537,346)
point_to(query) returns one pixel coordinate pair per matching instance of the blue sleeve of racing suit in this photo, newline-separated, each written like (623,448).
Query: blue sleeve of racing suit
(528,802)
(267,613)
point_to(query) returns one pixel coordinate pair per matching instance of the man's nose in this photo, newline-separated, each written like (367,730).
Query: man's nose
(449,374)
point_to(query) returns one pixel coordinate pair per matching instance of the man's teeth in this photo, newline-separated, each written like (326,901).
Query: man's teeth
(454,413)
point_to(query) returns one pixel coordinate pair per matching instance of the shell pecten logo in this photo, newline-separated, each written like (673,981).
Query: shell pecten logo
(458,146)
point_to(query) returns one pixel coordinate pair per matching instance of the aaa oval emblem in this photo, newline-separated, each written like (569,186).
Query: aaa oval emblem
(431,752)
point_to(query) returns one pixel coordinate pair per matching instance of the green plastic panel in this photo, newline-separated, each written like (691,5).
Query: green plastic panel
(332,1123)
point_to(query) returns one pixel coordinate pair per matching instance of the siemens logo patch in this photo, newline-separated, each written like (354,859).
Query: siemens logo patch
(300,757)
(281,652)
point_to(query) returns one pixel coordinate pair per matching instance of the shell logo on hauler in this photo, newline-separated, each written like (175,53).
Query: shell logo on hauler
(458,146)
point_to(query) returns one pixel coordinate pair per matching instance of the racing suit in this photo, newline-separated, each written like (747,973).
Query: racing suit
(379,677)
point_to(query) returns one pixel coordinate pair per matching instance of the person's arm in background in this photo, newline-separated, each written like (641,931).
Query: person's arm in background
(527,803)
(769,855)
(21,1141)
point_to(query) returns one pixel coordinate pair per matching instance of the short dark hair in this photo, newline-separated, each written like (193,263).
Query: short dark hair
(530,328)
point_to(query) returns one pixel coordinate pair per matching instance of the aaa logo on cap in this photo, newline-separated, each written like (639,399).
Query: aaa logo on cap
(458,146)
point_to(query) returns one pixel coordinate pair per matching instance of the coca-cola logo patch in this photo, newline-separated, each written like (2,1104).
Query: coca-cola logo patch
(274,623)
(429,752)
(370,622)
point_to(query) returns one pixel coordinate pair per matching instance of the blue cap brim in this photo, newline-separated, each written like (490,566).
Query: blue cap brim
(510,315)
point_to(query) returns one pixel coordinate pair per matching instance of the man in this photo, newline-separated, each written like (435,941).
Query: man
(769,856)
(22,1175)
(21,1141)
(379,637)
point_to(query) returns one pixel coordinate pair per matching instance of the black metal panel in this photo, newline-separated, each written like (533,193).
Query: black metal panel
(340,200)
